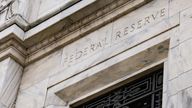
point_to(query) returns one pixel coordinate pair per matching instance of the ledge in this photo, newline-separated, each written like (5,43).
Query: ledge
(53,24)
(11,44)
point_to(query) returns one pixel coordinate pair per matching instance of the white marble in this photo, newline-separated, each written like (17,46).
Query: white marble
(172,102)
(180,58)
(175,59)
(52,99)
(123,42)
(185,80)
(32,97)
(185,22)
(14,29)
(49,6)
(115,67)
(177,6)
(3,68)
(13,11)
(53,20)
(185,98)
(185,53)
(10,77)
(174,86)
(41,70)
(81,57)
(57,106)
(103,49)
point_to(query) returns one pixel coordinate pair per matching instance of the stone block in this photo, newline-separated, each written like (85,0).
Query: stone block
(41,70)
(32,97)
(174,59)
(173,87)
(185,22)
(185,98)
(176,6)
(185,80)
(185,53)
(172,102)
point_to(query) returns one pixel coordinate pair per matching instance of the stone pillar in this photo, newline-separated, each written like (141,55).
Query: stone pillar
(179,88)
(10,76)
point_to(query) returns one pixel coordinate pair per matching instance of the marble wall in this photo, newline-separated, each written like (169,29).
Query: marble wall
(180,64)
(137,32)
(43,9)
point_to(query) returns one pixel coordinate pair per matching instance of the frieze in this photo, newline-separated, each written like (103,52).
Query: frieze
(84,26)
(87,46)
(130,29)
(108,37)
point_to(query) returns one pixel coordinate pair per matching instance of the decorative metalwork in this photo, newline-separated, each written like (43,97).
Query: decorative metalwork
(145,92)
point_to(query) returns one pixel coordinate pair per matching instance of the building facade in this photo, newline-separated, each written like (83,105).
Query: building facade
(95,54)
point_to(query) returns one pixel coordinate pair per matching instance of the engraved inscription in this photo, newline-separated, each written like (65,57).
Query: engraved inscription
(139,24)
(83,51)
(106,38)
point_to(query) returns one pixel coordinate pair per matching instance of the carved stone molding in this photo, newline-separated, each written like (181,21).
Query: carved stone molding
(14,49)
(14,54)
(13,43)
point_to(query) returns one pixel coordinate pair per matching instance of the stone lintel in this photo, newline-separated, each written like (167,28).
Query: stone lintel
(96,83)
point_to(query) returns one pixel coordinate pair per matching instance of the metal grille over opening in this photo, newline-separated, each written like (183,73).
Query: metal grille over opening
(145,92)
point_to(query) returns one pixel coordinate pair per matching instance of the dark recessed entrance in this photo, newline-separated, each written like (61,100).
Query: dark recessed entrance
(145,92)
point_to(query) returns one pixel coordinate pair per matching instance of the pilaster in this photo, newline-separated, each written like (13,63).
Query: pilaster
(179,86)
(10,77)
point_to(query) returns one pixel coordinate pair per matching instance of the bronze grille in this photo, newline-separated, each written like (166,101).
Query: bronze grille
(145,92)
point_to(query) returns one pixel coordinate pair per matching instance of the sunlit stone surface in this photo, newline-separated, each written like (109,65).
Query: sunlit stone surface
(64,53)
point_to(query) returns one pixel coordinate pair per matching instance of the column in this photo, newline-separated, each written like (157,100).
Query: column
(10,76)
(179,81)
